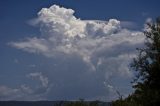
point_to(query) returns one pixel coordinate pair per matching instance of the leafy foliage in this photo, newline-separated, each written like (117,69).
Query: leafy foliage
(147,68)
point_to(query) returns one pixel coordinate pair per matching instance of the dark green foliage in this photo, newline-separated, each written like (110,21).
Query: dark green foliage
(147,68)
(129,101)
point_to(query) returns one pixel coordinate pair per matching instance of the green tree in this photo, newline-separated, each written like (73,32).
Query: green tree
(147,67)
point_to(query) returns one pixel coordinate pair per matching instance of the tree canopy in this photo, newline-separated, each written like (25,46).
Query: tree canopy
(147,69)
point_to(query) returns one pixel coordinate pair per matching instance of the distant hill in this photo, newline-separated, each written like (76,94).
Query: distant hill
(41,103)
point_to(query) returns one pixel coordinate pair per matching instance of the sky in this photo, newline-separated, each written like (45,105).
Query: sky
(70,49)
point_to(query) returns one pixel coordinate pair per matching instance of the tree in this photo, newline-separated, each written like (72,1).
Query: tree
(147,68)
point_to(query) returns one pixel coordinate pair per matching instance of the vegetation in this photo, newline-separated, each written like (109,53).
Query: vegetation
(81,102)
(147,68)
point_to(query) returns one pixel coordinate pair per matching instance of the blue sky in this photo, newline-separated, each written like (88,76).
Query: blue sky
(38,63)
(15,14)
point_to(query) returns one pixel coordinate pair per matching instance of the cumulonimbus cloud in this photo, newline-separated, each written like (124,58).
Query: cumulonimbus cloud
(103,46)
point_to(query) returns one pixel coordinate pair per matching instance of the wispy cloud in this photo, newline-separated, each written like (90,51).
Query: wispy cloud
(38,75)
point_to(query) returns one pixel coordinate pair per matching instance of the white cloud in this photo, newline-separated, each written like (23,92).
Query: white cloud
(40,77)
(22,92)
(104,47)
(61,22)
(5,91)
(19,93)
(149,20)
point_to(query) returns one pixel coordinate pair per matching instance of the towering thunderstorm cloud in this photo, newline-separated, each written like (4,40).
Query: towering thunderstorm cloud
(94,55)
